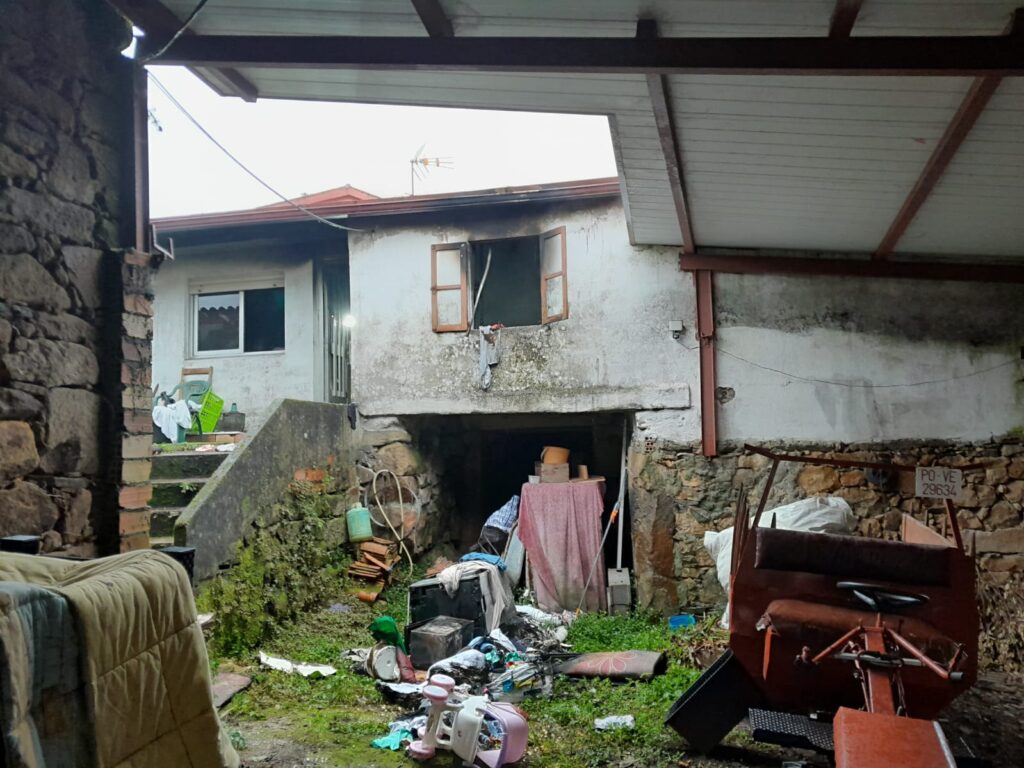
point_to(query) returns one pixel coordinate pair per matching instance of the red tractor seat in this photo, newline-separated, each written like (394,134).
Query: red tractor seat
(864,559)
(818,625)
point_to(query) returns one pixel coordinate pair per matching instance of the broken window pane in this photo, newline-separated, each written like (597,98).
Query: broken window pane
(554,300)
(264,320)
(449,307)
(217,321)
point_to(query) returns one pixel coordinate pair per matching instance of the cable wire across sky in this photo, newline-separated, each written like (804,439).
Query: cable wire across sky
(240,164)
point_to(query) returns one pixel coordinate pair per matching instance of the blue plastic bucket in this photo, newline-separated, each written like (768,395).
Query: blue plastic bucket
(359,528)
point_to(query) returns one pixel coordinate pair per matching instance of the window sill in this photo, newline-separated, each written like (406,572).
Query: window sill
(234,353)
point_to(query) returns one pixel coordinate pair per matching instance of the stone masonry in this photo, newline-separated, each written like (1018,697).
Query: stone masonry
(676,495)
(386,443)
(65,123)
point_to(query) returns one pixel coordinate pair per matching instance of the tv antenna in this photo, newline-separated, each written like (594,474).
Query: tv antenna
(420,166)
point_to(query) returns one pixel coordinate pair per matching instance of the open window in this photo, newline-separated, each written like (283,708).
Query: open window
(515,281)
(449,287)
(554,283)
(233,322)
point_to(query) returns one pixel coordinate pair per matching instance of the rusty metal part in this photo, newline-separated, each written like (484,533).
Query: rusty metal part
(870,740)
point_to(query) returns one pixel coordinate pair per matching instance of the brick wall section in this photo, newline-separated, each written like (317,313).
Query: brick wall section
(64,128)
(676,495)
(136,400)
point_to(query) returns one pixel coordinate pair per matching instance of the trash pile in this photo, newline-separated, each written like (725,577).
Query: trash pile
(375,564)
(469,654)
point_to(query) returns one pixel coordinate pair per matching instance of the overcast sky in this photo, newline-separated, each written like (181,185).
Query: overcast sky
(305,147)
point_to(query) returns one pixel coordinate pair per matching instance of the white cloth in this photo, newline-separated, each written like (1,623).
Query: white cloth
(499,604)
(489,354)
(818,514)
(169,417)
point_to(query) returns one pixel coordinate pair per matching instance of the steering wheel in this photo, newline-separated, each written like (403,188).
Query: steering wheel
(882,599)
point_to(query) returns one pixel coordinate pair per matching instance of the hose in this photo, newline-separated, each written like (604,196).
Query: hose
(401,510)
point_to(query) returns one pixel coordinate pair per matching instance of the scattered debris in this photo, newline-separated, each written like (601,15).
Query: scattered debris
(682,621)
(616,665)
(614,722)
(291,667)
(376,563)
(340,608)
(226,685)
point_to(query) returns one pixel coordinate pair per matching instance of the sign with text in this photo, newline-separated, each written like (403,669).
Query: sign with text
(938,482)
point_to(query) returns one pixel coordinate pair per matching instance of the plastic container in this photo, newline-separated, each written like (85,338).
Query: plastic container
(359,528)
(209,412)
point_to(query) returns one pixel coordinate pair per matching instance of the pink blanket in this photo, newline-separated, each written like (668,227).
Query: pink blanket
(560,527)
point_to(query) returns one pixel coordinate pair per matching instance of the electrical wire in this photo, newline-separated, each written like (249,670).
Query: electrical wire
(187,23)
(854,385)
(240,164)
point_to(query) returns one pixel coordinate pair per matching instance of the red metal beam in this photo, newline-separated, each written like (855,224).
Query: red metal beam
(155,19)
(967,114)
(912,270)
(434,19)
(657,88)
(971,107)
(844,16)
(960,55)
(704,285)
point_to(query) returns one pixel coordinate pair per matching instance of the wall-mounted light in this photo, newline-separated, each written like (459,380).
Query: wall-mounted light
(349,321)
(675,327)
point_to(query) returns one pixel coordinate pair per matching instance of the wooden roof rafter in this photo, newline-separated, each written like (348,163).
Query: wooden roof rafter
(974,102)
(158,21)
(657,88)
(434,19)
(940,56)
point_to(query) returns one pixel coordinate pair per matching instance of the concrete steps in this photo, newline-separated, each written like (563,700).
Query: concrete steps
(177,476)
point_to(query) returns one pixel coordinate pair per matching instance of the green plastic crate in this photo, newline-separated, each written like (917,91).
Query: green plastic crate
(209,412)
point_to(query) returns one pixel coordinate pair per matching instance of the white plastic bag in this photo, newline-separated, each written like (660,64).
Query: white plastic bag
(818,514)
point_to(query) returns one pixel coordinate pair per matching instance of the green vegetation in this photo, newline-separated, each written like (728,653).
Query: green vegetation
(283,571)
(336,718)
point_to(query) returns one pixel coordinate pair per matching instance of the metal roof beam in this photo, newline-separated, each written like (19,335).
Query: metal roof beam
(434,19)
(756,264)
(967,114)
(657,88)
(938,56)
(158,21)
(844,16)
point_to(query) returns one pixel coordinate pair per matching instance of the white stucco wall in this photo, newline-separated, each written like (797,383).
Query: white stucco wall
(864,336)
(253,380)
(613,352)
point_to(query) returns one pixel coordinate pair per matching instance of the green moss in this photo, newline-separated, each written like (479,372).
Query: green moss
(282,571)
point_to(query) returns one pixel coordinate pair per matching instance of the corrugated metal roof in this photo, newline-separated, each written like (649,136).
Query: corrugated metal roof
(818,163)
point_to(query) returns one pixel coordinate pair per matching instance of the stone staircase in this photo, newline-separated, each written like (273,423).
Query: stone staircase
(177,477)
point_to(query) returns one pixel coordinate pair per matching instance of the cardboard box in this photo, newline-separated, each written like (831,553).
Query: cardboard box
(552,473)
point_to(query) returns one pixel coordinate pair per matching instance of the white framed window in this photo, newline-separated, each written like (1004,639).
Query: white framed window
(230,322)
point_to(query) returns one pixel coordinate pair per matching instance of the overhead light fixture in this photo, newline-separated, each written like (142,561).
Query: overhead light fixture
(349,321)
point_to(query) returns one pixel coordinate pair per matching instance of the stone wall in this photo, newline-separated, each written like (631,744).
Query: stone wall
(418,457)
(65,124)
(676,495)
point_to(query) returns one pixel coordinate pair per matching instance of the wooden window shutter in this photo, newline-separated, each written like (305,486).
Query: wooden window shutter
(554,276)
(449,288)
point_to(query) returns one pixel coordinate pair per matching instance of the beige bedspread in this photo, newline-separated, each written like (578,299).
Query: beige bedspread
(143,669)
